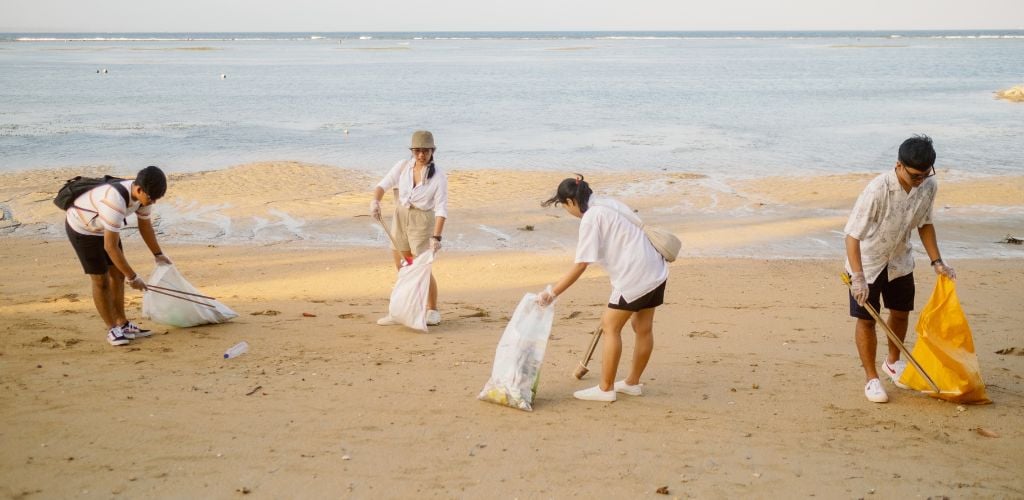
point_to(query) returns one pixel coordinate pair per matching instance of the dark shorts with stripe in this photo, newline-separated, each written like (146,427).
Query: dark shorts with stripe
(898,295)
(90,251)
(653,298)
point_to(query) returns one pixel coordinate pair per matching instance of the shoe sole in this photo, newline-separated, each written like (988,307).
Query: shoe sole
(119,342)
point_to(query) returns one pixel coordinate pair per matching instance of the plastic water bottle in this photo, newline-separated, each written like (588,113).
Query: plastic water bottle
(236,350)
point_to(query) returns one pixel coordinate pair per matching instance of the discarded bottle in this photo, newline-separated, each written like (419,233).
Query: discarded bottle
(236,350)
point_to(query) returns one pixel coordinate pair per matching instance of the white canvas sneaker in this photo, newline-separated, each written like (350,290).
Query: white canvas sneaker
(895,371)
(633,390)
(387,321)
(433,318)
(595,394)
(874,391)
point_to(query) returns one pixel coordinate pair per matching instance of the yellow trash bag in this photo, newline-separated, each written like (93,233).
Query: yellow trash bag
(945,350)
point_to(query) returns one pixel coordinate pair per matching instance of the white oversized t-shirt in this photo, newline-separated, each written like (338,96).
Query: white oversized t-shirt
(103,208)
(609,238)
(882,220)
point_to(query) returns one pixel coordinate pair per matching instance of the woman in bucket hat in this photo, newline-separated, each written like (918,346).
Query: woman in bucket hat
(421,199)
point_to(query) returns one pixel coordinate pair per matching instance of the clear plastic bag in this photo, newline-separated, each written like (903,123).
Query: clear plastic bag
(520,353)
(174,311)
(408,304)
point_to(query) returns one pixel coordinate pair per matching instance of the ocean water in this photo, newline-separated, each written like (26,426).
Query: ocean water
(723,104)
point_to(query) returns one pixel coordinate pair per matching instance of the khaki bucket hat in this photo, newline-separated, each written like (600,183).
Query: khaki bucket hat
(422,139)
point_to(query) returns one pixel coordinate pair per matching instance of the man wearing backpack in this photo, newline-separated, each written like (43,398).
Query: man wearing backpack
(93,224)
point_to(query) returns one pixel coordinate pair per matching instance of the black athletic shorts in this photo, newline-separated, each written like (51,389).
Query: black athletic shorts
(898,295)
(90,251)
(653,298)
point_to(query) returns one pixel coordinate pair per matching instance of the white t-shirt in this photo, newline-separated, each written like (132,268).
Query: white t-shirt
(108,210)
(608,237)
(431,194)
(883,218)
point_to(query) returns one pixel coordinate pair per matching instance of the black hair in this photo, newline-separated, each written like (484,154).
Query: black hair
(917,153)
(152,181)
(575,189)
(430,166)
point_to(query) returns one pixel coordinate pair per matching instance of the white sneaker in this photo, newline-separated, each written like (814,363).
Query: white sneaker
(116,337)
(387,321)
(433,318)
(874,391)
(895,371)
(632,390)
(595,394)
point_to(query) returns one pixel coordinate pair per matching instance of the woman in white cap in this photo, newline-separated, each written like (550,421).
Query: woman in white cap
(610,234)
(421,209)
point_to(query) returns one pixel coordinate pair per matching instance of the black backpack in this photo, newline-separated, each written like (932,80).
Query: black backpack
(74,188)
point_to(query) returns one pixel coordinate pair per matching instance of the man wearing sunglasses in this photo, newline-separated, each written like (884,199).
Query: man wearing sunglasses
(879,258)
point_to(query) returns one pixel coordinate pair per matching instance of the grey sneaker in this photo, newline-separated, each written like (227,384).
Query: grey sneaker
(132,331)
(116,337)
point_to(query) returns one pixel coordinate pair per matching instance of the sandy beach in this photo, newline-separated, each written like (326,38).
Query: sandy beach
(754,388)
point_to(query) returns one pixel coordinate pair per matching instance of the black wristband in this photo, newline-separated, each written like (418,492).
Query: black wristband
(936,261)
(158,254)
(436,237)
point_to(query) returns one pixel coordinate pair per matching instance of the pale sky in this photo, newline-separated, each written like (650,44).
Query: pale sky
(519,15)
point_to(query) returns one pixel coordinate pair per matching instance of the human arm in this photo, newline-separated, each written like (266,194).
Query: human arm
(111,243)
(149,237)
(931,246)
(858,284)
(435,240)
(545,297)
(378,194)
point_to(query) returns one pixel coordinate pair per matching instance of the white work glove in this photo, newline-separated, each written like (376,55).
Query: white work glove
(435,245)
(137,283)
(859,288)
(375,209)
(942,269)
(162,260)
(546,297)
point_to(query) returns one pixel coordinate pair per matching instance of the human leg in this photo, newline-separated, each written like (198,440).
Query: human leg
(898,322)
(612,322)
(867,343)
(116,280)
(643,326)
(102,298)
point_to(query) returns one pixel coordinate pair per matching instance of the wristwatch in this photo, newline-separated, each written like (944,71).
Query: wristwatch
(436,237)
(937,261)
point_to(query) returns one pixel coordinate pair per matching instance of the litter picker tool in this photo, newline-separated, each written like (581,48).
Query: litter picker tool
(894,339)
(180,291)
(582,369)
(380,220)
(161,292)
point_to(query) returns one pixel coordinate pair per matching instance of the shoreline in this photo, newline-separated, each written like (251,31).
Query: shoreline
(322,206)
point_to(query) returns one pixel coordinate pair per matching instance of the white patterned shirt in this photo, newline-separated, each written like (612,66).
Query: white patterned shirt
(102,208)
(431,194)
(883,218)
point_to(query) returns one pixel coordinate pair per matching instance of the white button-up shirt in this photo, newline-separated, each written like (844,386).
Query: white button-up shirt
(883,218)
(431,194)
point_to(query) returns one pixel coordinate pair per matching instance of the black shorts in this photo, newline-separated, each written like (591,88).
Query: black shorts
(90,251)
(898,295)
(653,298)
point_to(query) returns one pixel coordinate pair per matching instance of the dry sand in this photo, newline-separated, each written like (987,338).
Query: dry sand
(754,388)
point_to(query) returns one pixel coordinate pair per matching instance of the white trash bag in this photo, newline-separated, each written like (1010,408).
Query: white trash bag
(408,304)
(519,356)
(173,311)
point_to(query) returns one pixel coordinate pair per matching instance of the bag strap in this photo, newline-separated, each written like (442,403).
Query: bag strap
(116,184)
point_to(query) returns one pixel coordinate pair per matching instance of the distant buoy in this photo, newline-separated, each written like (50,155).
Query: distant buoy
(104,71)
(346,131)
(223,76)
